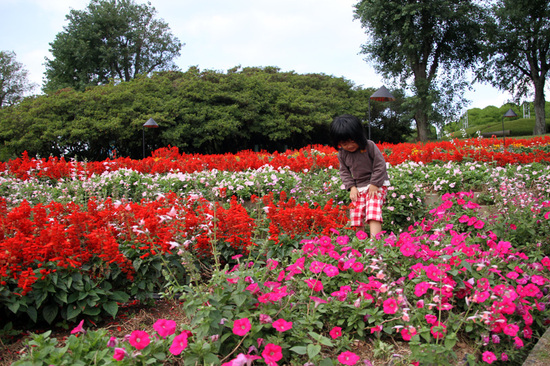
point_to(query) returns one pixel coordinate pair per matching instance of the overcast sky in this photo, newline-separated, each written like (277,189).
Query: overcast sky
(305,36)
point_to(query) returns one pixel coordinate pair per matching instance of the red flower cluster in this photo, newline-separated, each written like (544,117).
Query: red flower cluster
(298,219)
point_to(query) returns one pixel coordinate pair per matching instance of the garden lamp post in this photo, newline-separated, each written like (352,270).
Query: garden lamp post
(381,95)
(149,124)
(509,114)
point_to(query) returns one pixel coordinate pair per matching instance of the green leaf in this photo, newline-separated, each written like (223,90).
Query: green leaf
(325,341)
(32,314)
(211,359)
(313,350)
(301,350)
(73,311)
(326,362)
(50,312)
(240,299)
(14,306)
(111,307)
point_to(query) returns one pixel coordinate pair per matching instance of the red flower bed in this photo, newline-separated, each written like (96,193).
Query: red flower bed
(519,151)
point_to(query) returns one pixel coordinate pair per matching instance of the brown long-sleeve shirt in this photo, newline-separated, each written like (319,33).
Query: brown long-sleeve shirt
(363,167)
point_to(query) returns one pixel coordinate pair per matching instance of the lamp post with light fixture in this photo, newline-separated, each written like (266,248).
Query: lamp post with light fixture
(149,124)
(381,95)
(509,114)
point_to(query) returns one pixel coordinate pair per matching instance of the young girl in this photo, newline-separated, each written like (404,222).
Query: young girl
(362,170)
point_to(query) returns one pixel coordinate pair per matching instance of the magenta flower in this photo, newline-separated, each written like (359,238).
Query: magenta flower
(438,330)
(178,344)
(331,270)
(272,353)
(489,357)
(112,342)
(79,328)
(282,325)
(361,235)
(421,288)
(120,353)
(139,339)
(317,266)
(336,332)
(241,326)
(315,285)
(165,327)
(348,358)
(390,306)
(511,330)
(407,333)
(357,267)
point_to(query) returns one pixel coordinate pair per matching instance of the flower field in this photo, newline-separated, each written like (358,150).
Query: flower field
(256,248)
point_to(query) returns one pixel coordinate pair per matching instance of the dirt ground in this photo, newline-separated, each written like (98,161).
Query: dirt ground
(135,316)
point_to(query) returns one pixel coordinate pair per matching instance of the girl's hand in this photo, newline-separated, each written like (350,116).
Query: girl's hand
(373,192)
(353,193)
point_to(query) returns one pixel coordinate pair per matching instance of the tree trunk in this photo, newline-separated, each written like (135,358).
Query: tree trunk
(421,119)
(540,115)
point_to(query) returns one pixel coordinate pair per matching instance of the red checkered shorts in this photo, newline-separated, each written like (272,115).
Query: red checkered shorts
(365,209)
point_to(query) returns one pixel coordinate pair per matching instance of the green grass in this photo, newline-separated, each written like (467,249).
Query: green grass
(518,127)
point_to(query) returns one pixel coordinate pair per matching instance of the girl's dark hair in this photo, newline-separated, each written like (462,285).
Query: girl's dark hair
(347,127)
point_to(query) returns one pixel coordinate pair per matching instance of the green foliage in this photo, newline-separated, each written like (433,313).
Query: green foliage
(111,39)
(426,44)
(65,295)
(197,111)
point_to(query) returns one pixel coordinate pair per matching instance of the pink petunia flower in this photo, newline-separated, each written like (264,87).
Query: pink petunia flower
(178,344)
(335,332)
(79,328)
(331,271)
(120,353)
(408,332)
(511,330)
(489,357)
(438,330)
(241,326)
(317,301)
(282,325)
(421,288)
(348,358)
(315,285)
(272,353)
(361,235)
(139,339)
(165,327)
(390,306)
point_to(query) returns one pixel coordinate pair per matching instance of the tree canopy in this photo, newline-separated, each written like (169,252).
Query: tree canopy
(13,79)
(110,39)
(518,51)
(197,111)
(427,45)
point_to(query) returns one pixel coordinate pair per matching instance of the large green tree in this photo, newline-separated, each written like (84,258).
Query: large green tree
(110,39)
(428,45)
(518,51)
(14,81)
